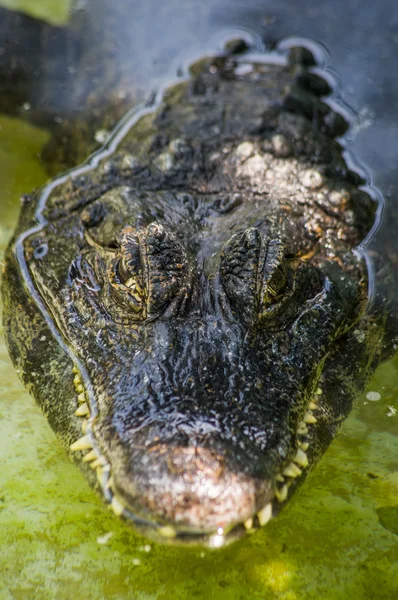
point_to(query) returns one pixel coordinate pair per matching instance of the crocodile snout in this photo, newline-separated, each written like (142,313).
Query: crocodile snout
(192,487)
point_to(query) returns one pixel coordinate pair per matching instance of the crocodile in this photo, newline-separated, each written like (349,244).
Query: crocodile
(190,307)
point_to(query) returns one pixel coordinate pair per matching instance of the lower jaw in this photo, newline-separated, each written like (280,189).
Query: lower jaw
(184,534)
(180,535)
(216,537)
(173,533)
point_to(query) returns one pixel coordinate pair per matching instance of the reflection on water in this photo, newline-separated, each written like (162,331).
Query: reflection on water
(337,539)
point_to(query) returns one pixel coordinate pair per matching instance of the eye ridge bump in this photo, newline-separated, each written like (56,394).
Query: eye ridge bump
(141,270)
(256,265)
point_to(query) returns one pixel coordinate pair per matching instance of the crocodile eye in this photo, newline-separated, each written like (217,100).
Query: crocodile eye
(126,278)
(255,275)
(274,275)
(129,265)
(149,271)
(277,284)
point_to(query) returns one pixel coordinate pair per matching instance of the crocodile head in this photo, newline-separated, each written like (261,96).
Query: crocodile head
(209,299)
(198,355)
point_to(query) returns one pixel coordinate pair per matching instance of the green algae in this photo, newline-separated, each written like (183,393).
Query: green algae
(21,171)
(335,540)
(55,12)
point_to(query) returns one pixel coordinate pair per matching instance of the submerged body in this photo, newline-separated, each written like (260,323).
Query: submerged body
(192,301)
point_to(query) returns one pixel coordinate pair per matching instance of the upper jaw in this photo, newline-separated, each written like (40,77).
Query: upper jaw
(204,511)
(191,493)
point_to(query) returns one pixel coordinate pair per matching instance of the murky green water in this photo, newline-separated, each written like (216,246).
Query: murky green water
(337,539)
(53,11)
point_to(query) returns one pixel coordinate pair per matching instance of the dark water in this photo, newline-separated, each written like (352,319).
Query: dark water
(338,538)
(360,39)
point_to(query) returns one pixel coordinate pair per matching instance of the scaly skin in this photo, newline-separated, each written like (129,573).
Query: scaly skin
(193,302)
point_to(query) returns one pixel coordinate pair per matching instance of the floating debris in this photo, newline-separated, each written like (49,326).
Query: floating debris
(102,136)
(104,539)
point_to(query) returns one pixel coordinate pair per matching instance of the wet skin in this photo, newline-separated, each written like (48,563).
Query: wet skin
(194,304)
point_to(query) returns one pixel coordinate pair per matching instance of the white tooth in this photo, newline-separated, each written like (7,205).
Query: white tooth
(304,446)
(302,428)
(85,426)
(292,470)
(312,406)
(92,455)
(77,380)
(309,418)
(79,388)
(265,514)
(75,370)
(84,443)
(117,506)
(100,476)
(81,397)
(301,458)
(83,410)
(248,524)
(281,494)
(280,478)
(167,531)
(318,391)
(101,462)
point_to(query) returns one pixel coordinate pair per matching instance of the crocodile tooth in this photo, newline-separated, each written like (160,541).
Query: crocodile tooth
(248,524)
(302,428)
(304,446)
(280,478)
(85,426)
(76,380)
(292,470)
(318,391)
(301,458)
(83,443)
(81,397)
(99,462)
(83,410)
(281,494)
(75,370)
(312,406)
(309,418)
(265,514)
(167,531)
(109,483)
(101,475)
(117,506)
(79,388)
(92,455)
